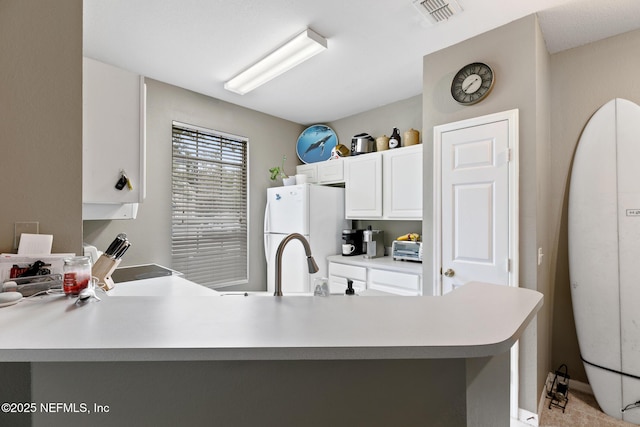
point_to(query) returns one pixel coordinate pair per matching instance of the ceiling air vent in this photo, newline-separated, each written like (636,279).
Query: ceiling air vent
(437,10)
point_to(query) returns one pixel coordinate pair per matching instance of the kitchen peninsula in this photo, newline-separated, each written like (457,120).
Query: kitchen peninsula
(260,360)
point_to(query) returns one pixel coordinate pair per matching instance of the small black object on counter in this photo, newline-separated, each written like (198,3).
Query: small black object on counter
(350,290)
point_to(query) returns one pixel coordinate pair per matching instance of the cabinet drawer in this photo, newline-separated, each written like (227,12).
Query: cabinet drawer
(338,285)
(348,271)
(394,282)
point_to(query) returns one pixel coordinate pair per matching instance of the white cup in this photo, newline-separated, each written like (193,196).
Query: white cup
(348,249)
(301,179)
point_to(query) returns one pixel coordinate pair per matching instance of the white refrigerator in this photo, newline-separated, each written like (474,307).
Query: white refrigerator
(316,212)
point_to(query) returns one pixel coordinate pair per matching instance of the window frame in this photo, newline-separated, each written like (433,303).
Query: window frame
(222,135)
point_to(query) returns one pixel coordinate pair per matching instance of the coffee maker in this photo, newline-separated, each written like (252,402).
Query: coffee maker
(352,242)
(374,239)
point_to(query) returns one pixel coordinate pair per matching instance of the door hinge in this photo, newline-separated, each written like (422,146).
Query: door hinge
(508,265)
(508,154)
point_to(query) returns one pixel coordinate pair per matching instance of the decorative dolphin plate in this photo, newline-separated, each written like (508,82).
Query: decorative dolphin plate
(315,144)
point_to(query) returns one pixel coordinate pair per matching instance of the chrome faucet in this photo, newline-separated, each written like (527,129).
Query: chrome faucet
(313,267)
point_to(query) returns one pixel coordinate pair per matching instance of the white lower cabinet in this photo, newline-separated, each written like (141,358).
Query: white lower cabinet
(377,276)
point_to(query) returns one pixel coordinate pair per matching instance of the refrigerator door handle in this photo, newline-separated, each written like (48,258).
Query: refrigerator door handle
(266,230)
(266,218)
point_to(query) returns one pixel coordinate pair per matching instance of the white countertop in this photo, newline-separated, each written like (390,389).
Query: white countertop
(159,286)
(385,263)
(475,320)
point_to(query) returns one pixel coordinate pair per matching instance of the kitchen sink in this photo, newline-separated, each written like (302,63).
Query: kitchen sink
(264,294)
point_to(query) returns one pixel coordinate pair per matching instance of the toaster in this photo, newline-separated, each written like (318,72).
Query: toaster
(362,143)
(406,250)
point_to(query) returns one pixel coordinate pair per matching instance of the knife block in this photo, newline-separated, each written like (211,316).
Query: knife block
(103,269)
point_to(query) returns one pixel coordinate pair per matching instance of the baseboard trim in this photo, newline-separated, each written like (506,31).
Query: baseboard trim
(580,386)
(528,418)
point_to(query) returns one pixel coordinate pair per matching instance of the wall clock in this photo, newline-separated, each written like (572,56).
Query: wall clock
(472,83)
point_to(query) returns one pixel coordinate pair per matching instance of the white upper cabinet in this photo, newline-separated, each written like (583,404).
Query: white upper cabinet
(385,185)
(113,141)
(363,186)
(327,172)
(310,170)
(402,183)
(331,171)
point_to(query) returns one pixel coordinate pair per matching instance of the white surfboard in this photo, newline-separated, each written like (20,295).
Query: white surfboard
(604,255)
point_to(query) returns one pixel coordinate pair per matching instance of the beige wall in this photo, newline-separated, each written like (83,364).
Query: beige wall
(41,139)
(513,51)
(538,362)
(41,119)
(378,121)
(150,233)
(583,79)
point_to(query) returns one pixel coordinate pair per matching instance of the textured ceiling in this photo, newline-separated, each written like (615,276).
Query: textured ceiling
(375,47)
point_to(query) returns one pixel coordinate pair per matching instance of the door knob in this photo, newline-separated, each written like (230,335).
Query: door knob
(449,273)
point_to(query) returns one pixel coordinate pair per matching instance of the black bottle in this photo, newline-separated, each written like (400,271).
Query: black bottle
(394,139)
(350,290)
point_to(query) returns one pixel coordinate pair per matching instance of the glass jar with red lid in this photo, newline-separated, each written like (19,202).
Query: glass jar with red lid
(77,274)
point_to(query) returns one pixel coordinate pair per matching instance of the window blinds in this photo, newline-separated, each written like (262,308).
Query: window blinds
(209,206)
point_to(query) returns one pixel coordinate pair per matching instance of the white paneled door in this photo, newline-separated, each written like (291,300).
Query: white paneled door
(475,197)
(475,227)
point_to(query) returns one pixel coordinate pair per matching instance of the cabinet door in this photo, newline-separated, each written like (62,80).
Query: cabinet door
(363,186)
(310,170)
(331,171)
(113,133)
(402,187)
(395,282)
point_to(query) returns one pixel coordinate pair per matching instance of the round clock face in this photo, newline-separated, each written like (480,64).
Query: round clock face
(472,83)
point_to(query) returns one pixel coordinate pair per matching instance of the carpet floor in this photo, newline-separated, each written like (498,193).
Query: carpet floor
(581,410)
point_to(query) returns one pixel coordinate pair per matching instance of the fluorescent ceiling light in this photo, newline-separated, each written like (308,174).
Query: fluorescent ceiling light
(296,51)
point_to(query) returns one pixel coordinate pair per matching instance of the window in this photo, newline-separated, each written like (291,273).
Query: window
(209,206)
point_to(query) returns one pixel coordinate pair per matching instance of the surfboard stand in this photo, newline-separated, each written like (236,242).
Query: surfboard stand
(559,394)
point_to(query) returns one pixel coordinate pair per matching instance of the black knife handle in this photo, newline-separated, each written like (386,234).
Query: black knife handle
(116,244)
